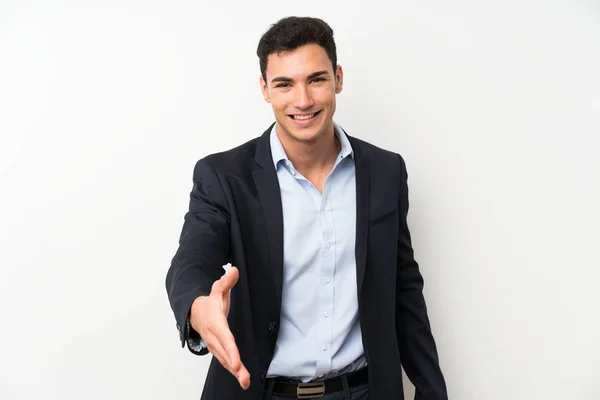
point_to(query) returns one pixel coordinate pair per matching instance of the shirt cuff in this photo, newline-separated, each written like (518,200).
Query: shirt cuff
(194,341)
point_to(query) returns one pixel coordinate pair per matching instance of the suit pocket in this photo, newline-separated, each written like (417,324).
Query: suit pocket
(383,217)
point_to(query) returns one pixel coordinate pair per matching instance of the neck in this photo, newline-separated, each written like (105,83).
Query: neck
(310,156)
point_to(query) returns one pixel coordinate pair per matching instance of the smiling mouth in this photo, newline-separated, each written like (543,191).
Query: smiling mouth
(303,117)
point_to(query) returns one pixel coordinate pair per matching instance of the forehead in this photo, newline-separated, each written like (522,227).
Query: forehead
(298,63)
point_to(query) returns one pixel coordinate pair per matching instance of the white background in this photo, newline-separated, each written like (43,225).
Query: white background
(105,107)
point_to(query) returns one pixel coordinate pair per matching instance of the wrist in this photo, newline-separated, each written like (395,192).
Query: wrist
(196,312)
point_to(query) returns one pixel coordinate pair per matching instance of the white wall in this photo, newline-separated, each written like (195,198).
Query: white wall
(105,106)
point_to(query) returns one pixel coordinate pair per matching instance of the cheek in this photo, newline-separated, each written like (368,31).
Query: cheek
(279,102)
(277,106)
(324,96)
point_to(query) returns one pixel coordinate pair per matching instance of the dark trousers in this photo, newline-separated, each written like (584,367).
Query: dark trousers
(359,392)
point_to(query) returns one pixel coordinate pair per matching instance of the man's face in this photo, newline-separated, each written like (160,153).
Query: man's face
(301,86)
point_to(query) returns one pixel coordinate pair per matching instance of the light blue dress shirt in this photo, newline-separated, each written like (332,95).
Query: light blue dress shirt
(319,335)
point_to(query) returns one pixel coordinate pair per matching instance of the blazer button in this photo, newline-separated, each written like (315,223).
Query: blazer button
(263,378)
(272,326)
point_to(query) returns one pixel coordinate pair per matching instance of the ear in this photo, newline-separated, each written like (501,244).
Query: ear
(339,79)
(265,90)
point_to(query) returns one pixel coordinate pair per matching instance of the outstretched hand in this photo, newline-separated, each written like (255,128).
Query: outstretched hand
(208,317)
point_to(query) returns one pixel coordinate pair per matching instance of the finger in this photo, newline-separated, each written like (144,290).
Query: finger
(215,348)
(229,356)
(244,378)
(230,279)
(237,368)
(227,341)
(226,282)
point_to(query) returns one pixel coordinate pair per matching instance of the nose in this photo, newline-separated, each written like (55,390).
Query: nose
(303,99)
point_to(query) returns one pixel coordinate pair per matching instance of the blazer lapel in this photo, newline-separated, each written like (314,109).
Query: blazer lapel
(363,174)
(267,185)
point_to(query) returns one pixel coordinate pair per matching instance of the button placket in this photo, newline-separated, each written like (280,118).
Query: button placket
(327,261)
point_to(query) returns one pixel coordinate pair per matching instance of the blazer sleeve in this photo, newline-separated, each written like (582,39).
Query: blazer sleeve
(203,251)
(416,343)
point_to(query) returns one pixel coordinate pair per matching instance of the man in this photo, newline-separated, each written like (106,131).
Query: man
(324,299)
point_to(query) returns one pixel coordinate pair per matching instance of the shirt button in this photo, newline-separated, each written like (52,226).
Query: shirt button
(327,280)
(328,246)
(326,314)
(324,348)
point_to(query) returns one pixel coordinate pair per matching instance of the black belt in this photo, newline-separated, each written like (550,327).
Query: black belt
(314,390)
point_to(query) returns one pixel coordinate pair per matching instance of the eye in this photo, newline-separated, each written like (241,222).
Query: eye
(319,80)
(282,85)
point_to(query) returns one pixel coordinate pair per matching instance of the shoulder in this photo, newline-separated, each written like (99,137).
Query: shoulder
(377,156)
(237,160)
(227,159)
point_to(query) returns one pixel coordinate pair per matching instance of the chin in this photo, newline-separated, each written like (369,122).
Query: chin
(306,135)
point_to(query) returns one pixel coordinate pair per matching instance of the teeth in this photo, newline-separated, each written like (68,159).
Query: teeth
(301,117)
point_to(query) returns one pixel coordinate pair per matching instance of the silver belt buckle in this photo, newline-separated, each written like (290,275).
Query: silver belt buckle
(310,390)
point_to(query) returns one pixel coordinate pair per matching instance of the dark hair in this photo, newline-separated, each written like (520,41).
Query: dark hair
(292,32)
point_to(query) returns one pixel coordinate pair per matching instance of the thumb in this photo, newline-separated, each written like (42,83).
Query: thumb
(229,280)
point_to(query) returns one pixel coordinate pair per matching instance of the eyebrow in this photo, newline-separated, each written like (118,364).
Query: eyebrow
(309,77)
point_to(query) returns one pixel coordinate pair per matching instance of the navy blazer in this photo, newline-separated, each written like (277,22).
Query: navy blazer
(235,216)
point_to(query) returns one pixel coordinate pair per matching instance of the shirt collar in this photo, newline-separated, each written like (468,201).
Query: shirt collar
(278,152)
